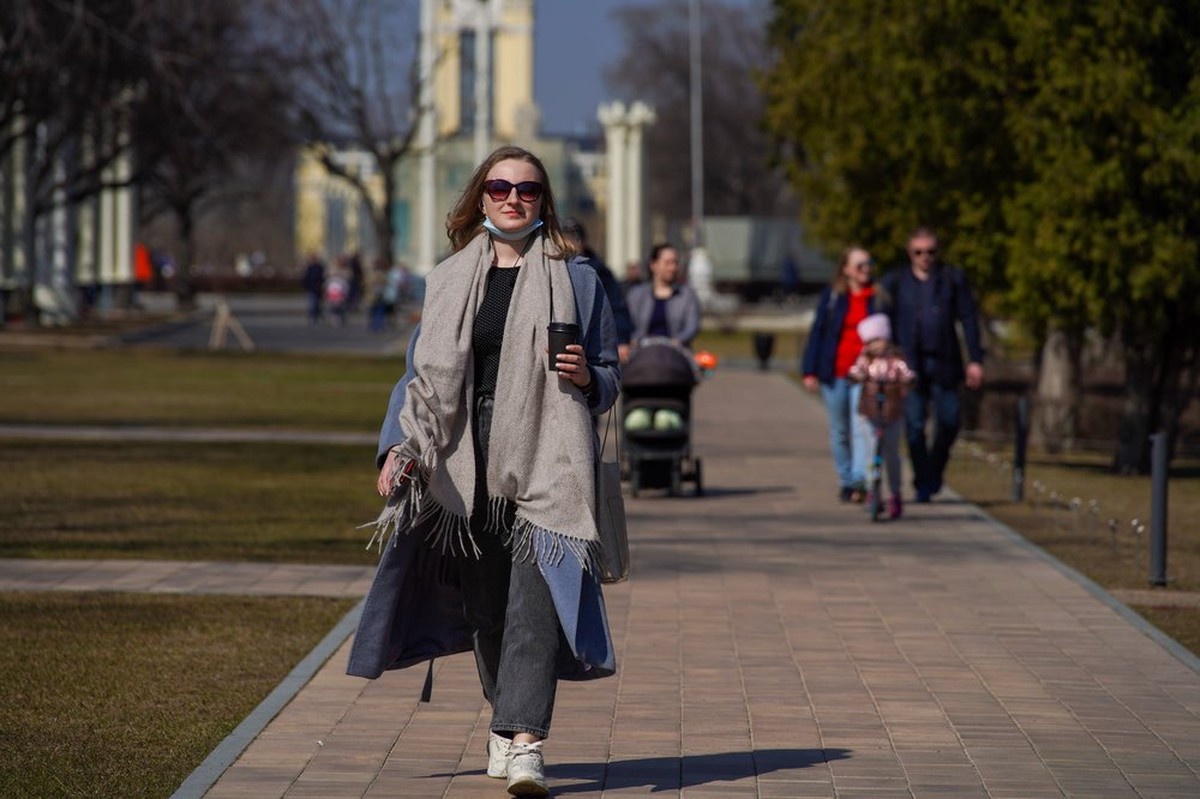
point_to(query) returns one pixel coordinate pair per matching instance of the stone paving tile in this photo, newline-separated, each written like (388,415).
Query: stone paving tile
(180,577)
(773,643)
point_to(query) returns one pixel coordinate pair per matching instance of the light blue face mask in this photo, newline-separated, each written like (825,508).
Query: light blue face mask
(511,235)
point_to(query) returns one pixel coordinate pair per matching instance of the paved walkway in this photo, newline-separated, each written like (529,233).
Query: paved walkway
(773,643)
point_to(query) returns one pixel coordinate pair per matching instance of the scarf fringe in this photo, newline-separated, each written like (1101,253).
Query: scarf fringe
(412,507)
(531,542)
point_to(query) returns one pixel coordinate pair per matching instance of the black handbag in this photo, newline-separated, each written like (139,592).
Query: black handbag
(610,514)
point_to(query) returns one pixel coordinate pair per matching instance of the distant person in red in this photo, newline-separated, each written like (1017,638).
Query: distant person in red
(833,345)
(143,267)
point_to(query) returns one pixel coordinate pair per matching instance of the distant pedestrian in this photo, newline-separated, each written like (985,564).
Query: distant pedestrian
(388,283)
(883,374)
(576,234)
(927,301)
(833,346)
(664,307)
(633,276)
(356,278)
(313,283)
(337,291)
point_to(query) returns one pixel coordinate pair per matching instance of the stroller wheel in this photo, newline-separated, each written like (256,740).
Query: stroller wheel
(699,477)
(635,480)
(676,479)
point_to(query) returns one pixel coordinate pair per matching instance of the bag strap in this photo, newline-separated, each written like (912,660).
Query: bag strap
(616,436)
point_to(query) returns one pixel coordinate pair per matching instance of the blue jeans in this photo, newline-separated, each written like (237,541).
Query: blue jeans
(850,437)
(929,460)
(511,613)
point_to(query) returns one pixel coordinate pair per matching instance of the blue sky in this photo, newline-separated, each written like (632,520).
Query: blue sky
(574,41)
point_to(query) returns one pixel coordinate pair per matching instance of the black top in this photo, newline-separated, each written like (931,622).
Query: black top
(488,333)
(659,326)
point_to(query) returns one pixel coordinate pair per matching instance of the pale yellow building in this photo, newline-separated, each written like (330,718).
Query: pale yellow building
(327,219)
(331,215)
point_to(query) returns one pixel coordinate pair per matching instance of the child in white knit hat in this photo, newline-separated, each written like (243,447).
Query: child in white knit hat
(885,376)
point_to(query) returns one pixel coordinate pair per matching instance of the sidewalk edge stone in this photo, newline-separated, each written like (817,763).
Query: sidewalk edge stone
(1181,653)
(227,752)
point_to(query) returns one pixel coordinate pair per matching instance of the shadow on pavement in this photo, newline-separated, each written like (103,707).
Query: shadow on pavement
(712,492)
(674,773)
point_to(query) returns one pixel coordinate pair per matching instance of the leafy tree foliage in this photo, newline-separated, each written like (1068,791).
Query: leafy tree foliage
(1055,144)
(1105,233)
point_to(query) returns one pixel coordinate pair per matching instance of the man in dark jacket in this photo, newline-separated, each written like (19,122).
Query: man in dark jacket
(925,302)
(574,230)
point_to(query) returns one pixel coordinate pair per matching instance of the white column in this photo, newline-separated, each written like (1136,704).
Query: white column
(123,214)
(426,140)
(85,222)
(612,117)
(106,229)
(640,115)
(20,207)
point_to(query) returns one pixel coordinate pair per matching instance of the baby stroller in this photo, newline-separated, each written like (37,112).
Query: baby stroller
(656,417)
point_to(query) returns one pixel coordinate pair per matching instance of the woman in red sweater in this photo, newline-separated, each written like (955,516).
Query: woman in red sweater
(833,346)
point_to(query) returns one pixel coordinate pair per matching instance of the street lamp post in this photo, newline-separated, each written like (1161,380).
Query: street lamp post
(697,119)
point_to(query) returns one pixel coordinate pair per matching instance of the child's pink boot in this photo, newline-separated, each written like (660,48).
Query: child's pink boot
(895,507)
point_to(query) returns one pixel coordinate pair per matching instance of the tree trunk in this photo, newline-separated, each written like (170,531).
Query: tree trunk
(1059,390)
(1133,443)
(385,220)
(28,245)
(1158,365)
(181,281)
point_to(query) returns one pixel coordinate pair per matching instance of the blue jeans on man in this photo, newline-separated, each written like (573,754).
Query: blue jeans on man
(929,460)
(849,436)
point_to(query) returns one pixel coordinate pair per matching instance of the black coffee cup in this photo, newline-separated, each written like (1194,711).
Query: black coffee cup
(560,334)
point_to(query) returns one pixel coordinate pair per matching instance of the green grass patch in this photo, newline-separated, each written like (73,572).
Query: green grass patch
(1182,624)
(195,389)
(297,503)
(124,695)
(1110,554)
(739,344)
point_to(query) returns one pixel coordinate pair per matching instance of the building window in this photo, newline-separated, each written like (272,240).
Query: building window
(466,81)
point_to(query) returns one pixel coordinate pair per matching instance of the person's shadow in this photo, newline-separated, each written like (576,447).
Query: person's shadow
(675,773)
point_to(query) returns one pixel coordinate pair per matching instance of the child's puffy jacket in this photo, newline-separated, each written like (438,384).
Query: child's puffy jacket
(889,371)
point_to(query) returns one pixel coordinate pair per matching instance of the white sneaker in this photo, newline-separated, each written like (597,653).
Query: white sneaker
(497,749)
(526,770)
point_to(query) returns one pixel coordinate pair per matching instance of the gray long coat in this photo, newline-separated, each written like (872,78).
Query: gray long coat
(413,613)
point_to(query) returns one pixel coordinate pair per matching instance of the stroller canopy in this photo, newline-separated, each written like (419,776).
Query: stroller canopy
(659,364)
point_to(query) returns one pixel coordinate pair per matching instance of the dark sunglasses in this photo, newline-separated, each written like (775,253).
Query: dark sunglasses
(919,253)
(528,191)
(868,264)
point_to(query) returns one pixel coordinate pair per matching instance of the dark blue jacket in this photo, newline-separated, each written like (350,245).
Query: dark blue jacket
(953,303)
(615,293)
(820,354)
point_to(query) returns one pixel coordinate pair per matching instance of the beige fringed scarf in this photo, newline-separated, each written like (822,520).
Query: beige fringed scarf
(541,445)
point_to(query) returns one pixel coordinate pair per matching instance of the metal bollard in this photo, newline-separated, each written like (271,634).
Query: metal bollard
(1158,509)
(1018,475)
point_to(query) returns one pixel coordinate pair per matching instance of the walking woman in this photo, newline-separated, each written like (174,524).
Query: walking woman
(833,346)
(488,459)
(664,307)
